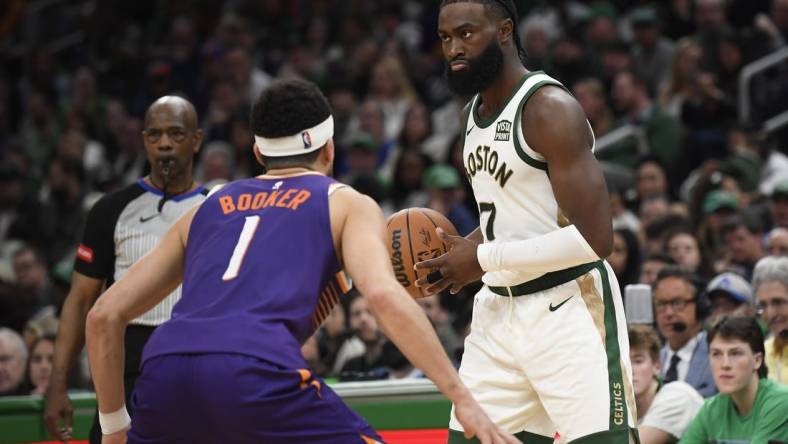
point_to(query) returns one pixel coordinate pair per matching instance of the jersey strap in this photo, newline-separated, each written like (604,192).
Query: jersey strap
(526,153)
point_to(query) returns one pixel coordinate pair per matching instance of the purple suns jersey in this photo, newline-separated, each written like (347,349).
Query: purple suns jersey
(260,274)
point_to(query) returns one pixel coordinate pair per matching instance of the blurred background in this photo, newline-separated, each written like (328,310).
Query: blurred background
(688,100)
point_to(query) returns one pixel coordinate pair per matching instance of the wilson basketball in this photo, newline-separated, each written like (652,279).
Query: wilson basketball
(411,238)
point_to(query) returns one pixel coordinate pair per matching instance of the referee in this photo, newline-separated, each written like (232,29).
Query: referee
(121,228)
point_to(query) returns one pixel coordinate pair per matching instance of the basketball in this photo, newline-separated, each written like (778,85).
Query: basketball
(411,238)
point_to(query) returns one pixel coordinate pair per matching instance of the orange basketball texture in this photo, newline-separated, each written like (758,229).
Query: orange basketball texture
(411,238)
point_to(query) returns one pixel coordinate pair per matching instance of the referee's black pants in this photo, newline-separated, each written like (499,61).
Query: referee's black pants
(134,341)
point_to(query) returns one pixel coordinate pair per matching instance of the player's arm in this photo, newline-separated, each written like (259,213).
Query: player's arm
(145,284)
(366,259)
(70,340)
(555,126)
(92,266)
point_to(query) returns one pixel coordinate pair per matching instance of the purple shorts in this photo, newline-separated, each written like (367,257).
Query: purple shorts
(223,398)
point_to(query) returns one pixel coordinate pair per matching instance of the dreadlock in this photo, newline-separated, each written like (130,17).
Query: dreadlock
(501,9)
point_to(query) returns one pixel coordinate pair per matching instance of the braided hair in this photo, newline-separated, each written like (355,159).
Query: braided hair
(502,9)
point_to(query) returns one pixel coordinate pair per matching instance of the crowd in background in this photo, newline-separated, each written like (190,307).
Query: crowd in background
(700,187)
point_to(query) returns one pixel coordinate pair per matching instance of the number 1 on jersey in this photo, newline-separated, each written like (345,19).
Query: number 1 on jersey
(247,233)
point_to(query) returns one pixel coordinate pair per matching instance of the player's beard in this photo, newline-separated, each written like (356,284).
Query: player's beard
(480,73)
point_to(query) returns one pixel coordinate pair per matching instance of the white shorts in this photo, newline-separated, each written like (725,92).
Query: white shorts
(553,361)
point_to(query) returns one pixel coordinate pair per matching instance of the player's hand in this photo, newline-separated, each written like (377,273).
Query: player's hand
(476,423)
(457,268)
(58,408)
(115,438)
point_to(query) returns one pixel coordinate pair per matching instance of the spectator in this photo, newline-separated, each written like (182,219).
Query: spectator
(217,164)
(778,204)
(680,308)
(679,85)
(651,178)
(777,242)
(62,214)
(663,133)
(130,161)
(331,336)
(18,211)
(749,407)
(406,190)
(370,120)
(362,157)
(13,362)
(652,265)
(446,196)
(711,22)
(18,306)
(441,321)
(415,131)
(686,251)
(311,353)
(729,295)
(653,208)
(657,230)
(625,257)
(397,365)
(718,205)
(652,53)
(365,327)
(622,216)
(44,323)
(779,17)
(770,282)
(32,277)
(743,239)
(391,88)
(40,368)
(247,79)
(664,410)
(590,93)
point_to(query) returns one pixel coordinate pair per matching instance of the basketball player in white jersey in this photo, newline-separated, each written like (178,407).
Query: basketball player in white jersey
(548,350)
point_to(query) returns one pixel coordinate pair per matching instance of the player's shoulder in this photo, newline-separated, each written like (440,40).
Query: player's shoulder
(340,192)
(115,201)
(553,100)
(345,198)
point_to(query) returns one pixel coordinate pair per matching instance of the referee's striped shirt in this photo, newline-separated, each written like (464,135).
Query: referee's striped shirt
(122,227)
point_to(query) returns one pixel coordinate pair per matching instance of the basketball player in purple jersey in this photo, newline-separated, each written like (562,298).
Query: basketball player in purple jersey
(261,264)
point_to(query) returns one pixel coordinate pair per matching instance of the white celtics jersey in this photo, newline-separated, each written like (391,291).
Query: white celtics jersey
(509,179)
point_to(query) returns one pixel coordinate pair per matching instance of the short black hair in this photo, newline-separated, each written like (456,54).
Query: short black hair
(685,274)
(500,9)
(659,257)
(285,108)
(744,328)
(748,222)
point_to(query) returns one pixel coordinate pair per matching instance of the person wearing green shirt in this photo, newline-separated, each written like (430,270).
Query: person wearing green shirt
(749,408)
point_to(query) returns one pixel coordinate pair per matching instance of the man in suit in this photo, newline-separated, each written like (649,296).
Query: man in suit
(680,308)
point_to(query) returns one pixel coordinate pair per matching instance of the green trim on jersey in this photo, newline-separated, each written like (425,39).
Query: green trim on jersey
(484,123)
(536,163)
(456,437)
(615,377)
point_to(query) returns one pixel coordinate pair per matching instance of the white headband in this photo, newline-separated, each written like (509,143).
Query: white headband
(304,142)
